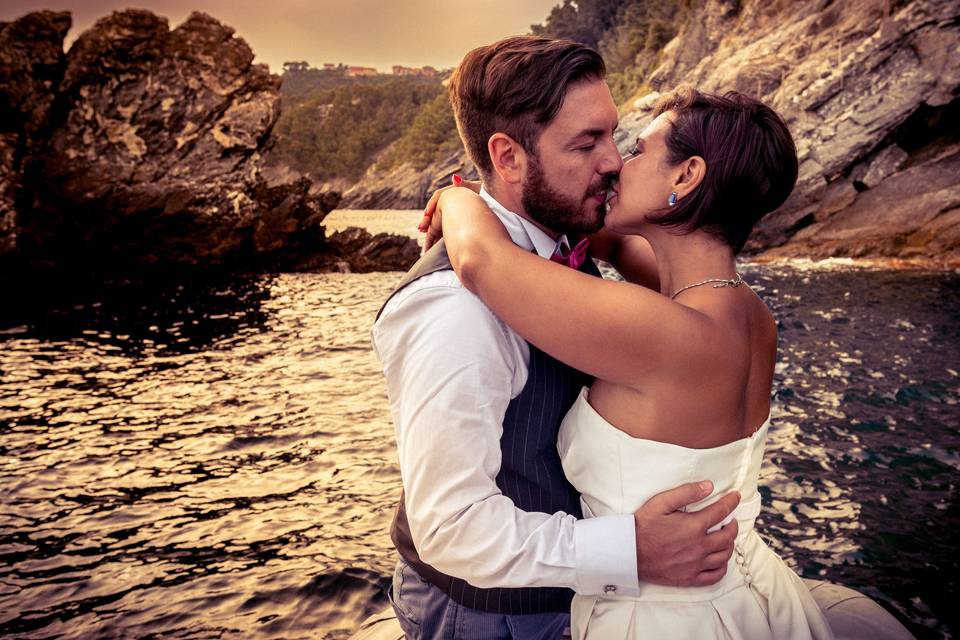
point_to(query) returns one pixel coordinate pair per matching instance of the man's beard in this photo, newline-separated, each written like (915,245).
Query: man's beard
(559,212)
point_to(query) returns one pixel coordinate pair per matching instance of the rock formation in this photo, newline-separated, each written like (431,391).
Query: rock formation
(31,65)
(869,89)
(403,187)
(142,146)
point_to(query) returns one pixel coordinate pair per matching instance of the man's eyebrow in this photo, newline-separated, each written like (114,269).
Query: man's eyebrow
(591,133)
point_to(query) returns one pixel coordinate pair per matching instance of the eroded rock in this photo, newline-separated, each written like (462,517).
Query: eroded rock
(145,149)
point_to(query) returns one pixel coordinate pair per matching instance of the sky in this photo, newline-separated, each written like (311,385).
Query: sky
(373,33)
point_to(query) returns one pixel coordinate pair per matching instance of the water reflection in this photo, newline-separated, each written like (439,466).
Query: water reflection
(223,481)
(862,384)
(216,460)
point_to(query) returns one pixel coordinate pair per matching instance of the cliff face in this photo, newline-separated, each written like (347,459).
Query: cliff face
(869,89)
(142,145)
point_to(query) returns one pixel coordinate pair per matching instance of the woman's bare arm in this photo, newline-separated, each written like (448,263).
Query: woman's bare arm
(615,331)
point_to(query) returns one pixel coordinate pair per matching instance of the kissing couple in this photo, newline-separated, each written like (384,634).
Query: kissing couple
(580,456)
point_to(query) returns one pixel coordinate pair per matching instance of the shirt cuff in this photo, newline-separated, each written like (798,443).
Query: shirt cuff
(606,556)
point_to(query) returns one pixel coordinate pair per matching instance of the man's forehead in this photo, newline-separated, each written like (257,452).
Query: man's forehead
(588,109)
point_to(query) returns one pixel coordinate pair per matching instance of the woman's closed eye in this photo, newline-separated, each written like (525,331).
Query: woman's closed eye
(636,149)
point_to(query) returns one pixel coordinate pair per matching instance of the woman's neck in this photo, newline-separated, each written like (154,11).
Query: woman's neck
(685,259)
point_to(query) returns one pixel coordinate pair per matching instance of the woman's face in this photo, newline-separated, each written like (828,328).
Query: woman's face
(646,180)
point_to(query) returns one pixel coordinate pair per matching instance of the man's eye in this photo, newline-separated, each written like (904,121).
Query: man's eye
(588,147)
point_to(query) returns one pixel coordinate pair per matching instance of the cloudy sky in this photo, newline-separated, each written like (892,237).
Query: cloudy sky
(375,33)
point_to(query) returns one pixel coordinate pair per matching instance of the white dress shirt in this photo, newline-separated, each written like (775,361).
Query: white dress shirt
(451,368)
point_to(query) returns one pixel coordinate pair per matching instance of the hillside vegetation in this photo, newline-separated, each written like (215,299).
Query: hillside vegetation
(334,126)
(628,34)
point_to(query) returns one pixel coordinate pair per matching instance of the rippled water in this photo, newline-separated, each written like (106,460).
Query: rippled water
(216,459)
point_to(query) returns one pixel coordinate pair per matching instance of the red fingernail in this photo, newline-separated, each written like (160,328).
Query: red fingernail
(457,179)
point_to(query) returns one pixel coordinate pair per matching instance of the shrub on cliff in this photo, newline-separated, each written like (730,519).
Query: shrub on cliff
(432,136)
(629,35)
(337,132)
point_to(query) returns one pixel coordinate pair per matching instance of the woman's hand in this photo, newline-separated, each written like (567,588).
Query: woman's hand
(472,232)
(431,222)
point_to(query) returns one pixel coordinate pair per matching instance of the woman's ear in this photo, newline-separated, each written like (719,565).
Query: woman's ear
(691,173)
(508,157)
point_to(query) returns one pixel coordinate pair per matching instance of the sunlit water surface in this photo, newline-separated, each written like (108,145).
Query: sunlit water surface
(215,460)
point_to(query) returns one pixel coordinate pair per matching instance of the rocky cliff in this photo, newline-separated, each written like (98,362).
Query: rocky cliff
(142,146)
(870,91)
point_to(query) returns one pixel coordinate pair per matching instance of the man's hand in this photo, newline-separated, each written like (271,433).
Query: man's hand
(673,546)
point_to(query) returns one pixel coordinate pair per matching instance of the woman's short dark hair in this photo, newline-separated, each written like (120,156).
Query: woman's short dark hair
(751,162)
(516,86)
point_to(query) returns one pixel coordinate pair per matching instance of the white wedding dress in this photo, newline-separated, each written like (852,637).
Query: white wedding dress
(759,597)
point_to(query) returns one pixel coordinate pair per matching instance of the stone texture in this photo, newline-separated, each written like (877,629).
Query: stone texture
(31,64)
(847,79)
(151,152)
(364,252)
(887,163)
(403,187)
(912,214)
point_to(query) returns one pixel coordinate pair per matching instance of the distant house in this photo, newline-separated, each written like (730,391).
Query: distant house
(399,70)
(361,71)
(329,66)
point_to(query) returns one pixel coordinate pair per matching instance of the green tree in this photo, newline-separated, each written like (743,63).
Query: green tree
(431,136)
(337,132)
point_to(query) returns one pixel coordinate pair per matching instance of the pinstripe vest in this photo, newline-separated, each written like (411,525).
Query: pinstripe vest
(530,472)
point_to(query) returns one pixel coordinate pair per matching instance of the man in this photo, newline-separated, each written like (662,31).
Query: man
(490,534)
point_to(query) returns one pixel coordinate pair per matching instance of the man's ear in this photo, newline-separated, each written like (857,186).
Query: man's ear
(690,174)
(508,157)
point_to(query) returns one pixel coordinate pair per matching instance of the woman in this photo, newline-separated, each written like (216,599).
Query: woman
(683,368)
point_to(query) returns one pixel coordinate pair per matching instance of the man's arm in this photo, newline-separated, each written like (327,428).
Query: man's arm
(451,370)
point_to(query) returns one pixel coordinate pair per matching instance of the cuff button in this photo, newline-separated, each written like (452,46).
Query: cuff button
(609,588)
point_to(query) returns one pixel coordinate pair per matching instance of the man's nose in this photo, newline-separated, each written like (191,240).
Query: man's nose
(612,162)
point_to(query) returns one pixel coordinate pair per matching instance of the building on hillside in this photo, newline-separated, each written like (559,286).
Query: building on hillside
(399,70)
(329,66)
(361,71)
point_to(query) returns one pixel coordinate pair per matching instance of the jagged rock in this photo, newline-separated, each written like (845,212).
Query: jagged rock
(31,64)
(911,214)
(145,148)
(155,157)
(403,187)
(364,252)
(884,165)
(866,95)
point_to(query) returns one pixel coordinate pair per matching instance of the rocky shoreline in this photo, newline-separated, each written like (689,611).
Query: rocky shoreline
(869,90)
(141,148)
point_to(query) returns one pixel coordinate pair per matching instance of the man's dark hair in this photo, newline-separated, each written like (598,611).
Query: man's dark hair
(516,86)
(750,156)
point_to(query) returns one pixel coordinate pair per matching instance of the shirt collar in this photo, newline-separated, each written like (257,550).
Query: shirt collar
(524,233)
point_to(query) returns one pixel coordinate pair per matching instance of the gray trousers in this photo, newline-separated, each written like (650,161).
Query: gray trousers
(427,613)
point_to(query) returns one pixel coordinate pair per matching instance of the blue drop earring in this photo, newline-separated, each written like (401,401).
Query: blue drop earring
(672,200)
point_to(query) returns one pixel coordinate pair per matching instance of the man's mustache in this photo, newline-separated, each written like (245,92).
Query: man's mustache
(605,183)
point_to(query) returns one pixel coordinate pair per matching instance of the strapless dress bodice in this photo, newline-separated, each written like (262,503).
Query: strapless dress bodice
(615,473)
